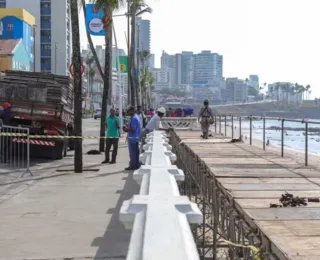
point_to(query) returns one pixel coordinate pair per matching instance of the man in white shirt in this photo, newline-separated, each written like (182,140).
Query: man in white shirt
(154,124)
(141,116)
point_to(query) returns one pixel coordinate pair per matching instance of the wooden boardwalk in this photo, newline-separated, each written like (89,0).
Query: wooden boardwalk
(251,179)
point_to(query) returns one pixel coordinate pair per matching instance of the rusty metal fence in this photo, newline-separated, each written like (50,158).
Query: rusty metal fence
(14,151)
(224,233)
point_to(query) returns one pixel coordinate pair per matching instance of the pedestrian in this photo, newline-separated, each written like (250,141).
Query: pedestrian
(205,118)
(154,124)
(134,133)
(151,112)
(6,119)
(113,126)
(141,116)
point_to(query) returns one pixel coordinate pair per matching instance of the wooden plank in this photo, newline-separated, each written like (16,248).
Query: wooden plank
(270,186)
(296,213)
(272,194)
(262,180)
(264,203)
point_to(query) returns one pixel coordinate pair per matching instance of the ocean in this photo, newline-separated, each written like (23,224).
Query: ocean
(294,139)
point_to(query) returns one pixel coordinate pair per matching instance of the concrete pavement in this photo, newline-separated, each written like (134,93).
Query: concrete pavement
(69,216)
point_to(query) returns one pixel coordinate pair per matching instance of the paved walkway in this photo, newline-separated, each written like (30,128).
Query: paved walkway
(69,216)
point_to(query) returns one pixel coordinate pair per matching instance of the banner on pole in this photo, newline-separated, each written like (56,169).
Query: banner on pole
(94,21)
(123,64)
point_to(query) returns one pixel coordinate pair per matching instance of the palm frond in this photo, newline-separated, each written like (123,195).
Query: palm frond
(114,4)
(143,11)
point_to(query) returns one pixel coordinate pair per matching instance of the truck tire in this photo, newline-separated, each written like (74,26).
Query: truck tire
(58,151)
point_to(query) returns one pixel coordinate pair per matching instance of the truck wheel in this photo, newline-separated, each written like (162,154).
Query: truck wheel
(58,151)
(65,144)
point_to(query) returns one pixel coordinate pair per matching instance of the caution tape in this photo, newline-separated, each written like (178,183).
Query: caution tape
(56,136)
(257,252)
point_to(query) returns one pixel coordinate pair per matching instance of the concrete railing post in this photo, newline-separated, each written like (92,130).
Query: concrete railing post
(159,216)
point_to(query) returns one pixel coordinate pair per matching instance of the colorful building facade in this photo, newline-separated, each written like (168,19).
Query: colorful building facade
(14,56)
(16,24)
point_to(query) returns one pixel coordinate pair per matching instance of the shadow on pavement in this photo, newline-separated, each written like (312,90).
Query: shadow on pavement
(115,241)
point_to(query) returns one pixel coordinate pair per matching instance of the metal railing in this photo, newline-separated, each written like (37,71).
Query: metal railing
(180,122)
(159,214)
(14,151)
(222,121)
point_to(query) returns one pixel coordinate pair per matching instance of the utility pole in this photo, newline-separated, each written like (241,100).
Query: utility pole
(34,47)
(55,57)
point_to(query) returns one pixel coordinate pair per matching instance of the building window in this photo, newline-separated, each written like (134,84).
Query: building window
(10,27)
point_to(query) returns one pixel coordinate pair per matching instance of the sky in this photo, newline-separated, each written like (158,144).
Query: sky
(278,40)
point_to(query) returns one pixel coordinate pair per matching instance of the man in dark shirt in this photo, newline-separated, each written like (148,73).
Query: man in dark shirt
(6,114)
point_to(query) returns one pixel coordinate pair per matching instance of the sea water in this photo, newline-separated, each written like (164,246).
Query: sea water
(294,139)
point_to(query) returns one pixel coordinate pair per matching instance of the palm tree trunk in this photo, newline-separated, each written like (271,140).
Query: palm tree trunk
(133,54)
(107,74)
(76,61)
(92,48)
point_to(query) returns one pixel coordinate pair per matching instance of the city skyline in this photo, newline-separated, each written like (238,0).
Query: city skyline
(255,37)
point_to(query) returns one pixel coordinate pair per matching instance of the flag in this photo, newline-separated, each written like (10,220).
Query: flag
(94,21)
(123,64)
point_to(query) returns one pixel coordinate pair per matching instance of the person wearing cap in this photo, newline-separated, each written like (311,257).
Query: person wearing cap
(6,114)
(205,118)
(134,131)
(154,124)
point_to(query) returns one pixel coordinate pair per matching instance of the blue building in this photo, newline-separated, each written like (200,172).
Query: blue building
(15,24)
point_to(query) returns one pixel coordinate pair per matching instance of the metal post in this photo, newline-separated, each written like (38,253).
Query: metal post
(215,124)
(264,133)
(129,65)
(232,127)
(250,130)
(225,126)
(34,47)
(219,124)
(240,130)
(306,145)
(282,137)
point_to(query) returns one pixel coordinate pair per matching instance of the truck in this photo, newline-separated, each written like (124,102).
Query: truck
(43,103)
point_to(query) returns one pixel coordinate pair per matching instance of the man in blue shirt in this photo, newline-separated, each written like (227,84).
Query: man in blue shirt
(134,132)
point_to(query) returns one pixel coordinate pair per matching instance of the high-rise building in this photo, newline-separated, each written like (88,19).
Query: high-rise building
(18,24)
(53,33)
(254,81)
(208,68)
(236,90)
(143,34)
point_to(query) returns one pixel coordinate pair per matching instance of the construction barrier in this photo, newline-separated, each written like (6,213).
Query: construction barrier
(159,216)
(14,154)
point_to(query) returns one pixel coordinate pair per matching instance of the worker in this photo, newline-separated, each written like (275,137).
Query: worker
(205,118)
(113,126)
(154,124)
(6,119)
(134,131)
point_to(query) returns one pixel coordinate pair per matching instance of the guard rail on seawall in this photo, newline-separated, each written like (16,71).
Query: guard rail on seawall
(159,216)
(225,121)
(180,122)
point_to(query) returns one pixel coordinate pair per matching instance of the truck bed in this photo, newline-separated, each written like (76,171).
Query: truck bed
(38,96)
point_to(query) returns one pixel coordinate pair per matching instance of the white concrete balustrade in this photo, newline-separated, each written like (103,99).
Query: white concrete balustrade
(159,216)
(180,122)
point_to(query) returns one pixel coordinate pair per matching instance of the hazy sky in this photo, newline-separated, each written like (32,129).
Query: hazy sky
(277,39)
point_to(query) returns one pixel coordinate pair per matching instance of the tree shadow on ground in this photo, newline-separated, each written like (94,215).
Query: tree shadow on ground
(115,240)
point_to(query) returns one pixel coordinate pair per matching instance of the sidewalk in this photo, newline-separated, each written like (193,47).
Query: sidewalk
(71,216)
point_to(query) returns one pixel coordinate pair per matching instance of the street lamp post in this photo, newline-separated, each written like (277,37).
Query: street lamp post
(34,47)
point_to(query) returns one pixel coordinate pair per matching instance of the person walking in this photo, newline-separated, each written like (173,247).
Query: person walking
(205,118)
(134,133)
(113,126)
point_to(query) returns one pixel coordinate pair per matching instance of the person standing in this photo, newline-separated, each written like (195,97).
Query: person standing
(6,119)
(113,126)
(141,116)
(154,124)
(134,133)
(205,118)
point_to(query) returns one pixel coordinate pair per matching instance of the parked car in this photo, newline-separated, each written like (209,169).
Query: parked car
(97,114)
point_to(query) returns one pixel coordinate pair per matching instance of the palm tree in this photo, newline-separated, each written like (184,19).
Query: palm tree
(144,57)
(108,6)
(76,61)
(138,7)
(307,91)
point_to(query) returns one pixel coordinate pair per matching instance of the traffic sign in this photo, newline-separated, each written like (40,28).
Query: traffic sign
(71,70)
